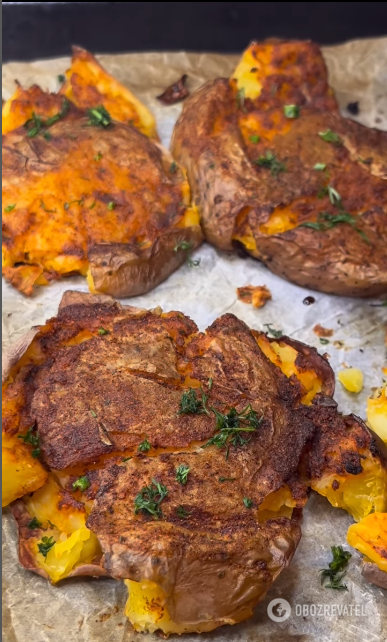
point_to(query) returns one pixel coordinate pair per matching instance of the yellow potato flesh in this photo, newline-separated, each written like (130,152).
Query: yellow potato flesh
(377,412)
(358,494)
(21,473)
(74,543)
(352,379)
(370,538)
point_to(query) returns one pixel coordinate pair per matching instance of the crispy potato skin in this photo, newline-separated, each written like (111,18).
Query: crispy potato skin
(93,198)
(218,139)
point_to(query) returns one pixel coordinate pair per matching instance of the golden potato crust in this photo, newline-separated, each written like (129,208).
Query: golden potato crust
(311,207)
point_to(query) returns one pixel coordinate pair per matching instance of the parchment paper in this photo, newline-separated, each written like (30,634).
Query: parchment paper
(91,610)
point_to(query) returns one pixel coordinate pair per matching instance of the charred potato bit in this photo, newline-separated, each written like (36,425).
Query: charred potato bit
(291,191)
(249,417)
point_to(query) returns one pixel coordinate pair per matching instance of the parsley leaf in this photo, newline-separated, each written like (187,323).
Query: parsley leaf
(45,545)
(323,341)
(61,78)
(336,570)
(149,499)
(9,208)
(173,167)
(240,99)
(99,116)
(46,208)
(144,446)
(247,502)
(330,137)
(255,139)
(33,440)
(82,483)
(111,206)
(319,167)
(182,513)
(98,157)
(224,479)
(269,161)
(182,474)
(34,523)
(191,404)
(277,334)
(186,246)
(291,111)
(229,427)
(103,331)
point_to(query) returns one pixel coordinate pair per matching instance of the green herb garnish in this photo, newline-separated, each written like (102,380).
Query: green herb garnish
(182,474)
(144,446)
(173,167)
(61,78)
(111,206)
(326,221)
(93,414)
(149,499)
(82,483)
(47,136)
(331,137)
(277,334)
(98,157)
(92,205)
(126,458)
(269,161)
(9,208)
(255,139)
(33,440)
(291,111)
(99,116)
(334,196)
(36,125)
(336,570)
(42,205)
(191,404)
(45,545)
(224,479)
(247,502)
(103,331)
(186,246)
(68,205)
(240,99)
(319,167)
(323,341)
(34,523)
(229,428)
(182,513)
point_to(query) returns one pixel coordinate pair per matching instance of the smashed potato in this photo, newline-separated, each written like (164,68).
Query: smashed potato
(369,536)
(377,412)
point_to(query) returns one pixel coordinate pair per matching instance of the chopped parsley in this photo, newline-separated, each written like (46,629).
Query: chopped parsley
(42,205)
(224,479)
(47,136)
(126,458)
(173,167)
(92,205)
(277,334)
(191,404)
(111,206)
(93,414)
(323,341)
(68,205)
(45,545)
(337,569)
(182,513)
(330,137)
(9,208)
(326,221)
(247,502)
(182,474)
(61,78)
(186,246)
(99,116)
(31,438)
(255,139)
(36,124)
(34,523)
(269,161)
(98,157)
(144,446)
(291,111)
(319,167)
(103,331)
(229,428)
(149,499)
(82,483)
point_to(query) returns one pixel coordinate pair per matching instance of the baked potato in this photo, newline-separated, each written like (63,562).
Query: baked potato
(275,170)
(370,538)
(174,460)
(86,194)
(377,411)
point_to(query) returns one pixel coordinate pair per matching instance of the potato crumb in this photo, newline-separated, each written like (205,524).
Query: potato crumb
(352,379)
(258,295)
(322,332)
